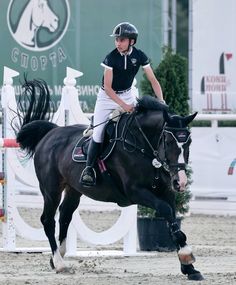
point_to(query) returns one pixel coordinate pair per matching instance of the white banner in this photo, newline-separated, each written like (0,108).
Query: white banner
(213,161)
(213,73)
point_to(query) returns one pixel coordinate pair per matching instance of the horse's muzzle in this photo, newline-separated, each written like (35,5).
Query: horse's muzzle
(180,181)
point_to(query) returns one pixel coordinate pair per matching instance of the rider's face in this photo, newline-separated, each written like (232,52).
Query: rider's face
(122,44)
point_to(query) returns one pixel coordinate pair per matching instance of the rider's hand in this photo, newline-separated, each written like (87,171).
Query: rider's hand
(128,107)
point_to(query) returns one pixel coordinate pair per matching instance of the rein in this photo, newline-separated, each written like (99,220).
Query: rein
(106,121)
(156,162)
(181,136)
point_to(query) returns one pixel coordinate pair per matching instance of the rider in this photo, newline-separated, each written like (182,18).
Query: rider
(121,65)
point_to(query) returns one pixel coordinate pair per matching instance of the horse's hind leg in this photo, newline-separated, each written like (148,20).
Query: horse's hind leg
(68,206)
(52,198)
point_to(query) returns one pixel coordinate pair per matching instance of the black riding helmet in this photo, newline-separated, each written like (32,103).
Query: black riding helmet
(125,30)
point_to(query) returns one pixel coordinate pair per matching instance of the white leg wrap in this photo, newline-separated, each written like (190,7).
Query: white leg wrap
(185,255)
(58,261)
(186,250)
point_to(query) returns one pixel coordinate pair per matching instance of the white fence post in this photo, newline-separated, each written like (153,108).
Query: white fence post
(9,231)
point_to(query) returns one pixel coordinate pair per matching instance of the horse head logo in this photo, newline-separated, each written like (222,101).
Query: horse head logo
(37,26)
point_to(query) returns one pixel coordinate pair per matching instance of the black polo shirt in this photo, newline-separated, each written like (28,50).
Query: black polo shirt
(124,67)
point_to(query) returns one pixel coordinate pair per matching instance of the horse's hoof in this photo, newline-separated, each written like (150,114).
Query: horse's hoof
(191,272)
(66,270)
(51,263)
(195,277)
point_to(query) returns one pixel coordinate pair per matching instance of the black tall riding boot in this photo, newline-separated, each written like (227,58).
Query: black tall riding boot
(88,176)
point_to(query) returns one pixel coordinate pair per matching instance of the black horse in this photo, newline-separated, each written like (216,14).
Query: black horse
(146,166)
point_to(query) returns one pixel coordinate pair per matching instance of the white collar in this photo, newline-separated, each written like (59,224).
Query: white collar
(127,53)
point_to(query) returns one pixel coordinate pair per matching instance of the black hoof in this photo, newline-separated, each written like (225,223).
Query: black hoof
(195,277)
(191,272)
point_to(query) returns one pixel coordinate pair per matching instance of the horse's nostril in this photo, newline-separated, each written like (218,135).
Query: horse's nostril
(176,184)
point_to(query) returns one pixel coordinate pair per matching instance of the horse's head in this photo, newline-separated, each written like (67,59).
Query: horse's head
(164,138)
(43,16)
(176,142)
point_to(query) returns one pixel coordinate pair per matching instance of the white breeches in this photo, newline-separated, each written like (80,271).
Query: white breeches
(103,107)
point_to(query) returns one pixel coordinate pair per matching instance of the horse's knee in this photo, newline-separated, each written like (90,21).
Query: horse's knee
(165,211)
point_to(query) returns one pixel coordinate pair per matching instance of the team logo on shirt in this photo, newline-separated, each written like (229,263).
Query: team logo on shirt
(134,61)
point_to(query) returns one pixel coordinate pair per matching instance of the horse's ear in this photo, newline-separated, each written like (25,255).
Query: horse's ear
(166,117)
(190,118)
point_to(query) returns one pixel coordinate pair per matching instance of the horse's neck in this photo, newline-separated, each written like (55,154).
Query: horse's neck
(151,120)
(26,30)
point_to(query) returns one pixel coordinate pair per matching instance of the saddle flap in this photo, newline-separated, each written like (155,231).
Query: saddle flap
(80,151)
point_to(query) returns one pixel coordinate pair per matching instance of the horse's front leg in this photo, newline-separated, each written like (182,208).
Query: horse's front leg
(184,252)
(164,204)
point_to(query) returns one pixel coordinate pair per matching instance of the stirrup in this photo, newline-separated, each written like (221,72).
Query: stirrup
(88,176)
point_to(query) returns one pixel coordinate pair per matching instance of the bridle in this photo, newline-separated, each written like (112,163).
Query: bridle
(181,136)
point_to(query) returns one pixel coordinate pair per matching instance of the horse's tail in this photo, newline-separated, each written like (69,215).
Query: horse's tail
(34,102)
(30,135)
(34,114)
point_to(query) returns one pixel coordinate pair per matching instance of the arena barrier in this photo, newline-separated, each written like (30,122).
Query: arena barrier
(14,169)
(213,161)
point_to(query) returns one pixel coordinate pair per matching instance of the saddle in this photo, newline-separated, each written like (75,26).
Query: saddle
(80,151)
